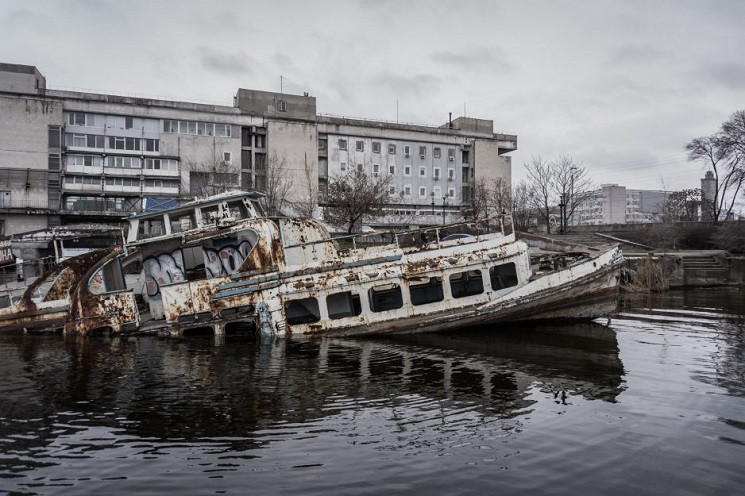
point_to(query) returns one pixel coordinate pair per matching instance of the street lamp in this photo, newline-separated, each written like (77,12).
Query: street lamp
(571,191)
(444,204)
(433,203)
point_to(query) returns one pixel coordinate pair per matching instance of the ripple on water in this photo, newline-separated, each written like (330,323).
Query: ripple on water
(576,409)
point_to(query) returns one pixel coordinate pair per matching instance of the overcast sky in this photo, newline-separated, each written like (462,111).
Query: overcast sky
(620,86)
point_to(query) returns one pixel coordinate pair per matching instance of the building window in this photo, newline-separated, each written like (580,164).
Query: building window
(359,167)
(170,126)
(436,152)
(467,283)
(451,192)
(407,190)
(342,144)
(360,146)
(343,166)
(407,151)
(436,173)
(407,170)
(346,304)
(451,174)
(422,151)
(55,136)
(79,119)
(451,154)
(281,106)
(422,171)
(376,147)
(465,156)
(129,123)
(422,192)
(152,145)
(54,161)
(391,169)
(376,169)
(260,139)
(391,149)
(391,190)
(322,143)
(436,192)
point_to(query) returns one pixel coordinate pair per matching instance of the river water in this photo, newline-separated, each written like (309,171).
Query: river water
(653,403)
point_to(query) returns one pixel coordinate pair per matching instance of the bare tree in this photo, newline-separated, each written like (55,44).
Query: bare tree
(682,205)
(500,195)
(724,152)
(355,196)
(521,207)
(211,177)
(279,182)
(307,206)
(571,183)
(540,176)
(478,206)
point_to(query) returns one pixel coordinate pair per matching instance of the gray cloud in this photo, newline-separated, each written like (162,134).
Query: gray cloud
(407,85)
(633,53)
(474,59)
(235,64)
(730,75)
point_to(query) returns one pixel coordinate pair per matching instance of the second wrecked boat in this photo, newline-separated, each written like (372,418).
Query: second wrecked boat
(220,262)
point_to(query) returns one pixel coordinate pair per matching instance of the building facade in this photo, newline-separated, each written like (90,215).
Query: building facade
(614,204)
(69,157)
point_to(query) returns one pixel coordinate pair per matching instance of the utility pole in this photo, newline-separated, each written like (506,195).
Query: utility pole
(444,203)
(571,190)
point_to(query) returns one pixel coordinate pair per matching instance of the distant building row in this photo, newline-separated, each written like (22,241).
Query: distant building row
(614,204)
(70,157)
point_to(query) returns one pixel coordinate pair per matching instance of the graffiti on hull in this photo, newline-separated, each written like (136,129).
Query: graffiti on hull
(225,260)
(164,268)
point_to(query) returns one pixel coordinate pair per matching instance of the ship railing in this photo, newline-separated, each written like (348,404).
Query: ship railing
(16,277)
(424,237)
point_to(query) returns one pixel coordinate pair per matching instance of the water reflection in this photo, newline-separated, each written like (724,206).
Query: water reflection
(192,388)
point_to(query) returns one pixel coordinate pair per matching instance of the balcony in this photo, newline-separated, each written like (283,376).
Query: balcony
(74,187)
(160,173)
(114,188)
(84,169)
(160,190)
(122,171)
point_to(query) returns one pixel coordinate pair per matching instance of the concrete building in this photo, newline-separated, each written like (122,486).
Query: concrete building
(614,204)
(69,157)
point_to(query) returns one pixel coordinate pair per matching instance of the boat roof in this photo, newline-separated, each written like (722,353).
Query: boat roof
(210,200)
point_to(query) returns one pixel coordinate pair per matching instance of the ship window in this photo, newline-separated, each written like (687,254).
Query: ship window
(346,304)
(466,284)
(503,276)
(304,311)
(426,290)
(386,297)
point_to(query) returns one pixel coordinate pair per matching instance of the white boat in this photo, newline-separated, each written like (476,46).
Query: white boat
(220,263)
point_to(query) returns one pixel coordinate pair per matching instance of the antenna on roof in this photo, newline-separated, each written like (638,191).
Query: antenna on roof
(280,84)
(396,110)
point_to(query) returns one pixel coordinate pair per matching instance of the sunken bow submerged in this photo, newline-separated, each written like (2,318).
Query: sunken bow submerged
(221,263)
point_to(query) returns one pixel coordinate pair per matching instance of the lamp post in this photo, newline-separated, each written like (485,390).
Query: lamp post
(444,204)
(433,203)
(572,169)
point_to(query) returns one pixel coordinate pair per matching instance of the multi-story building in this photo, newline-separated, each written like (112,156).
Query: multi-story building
(431,170)
(614,204)
(68,157)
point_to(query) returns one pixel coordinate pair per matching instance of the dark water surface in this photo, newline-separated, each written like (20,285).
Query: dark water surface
(652,404)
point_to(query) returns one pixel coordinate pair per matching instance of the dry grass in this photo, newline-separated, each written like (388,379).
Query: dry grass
(648,277)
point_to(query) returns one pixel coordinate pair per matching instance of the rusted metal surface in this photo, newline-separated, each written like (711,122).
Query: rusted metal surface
(59,307)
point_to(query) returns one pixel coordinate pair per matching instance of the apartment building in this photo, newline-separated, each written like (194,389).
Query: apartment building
(69,157)
(614,204)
